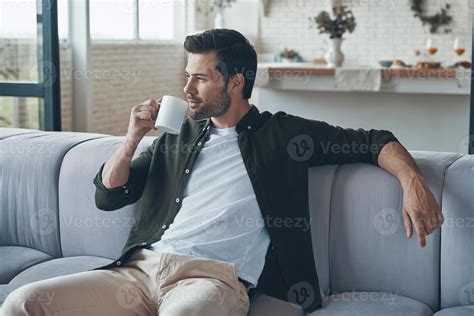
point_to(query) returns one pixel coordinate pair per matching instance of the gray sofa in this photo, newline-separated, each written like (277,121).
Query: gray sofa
(50,226)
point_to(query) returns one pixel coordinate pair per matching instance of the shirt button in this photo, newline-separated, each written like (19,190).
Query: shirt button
(163,226)
(119,263)
(127,191)
(249,127)
(199,144)
(177,200)
(187,170)
(144,243)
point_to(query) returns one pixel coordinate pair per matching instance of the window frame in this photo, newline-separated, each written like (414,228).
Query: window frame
(48,86)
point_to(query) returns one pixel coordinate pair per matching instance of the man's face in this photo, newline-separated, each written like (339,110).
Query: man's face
(205,89)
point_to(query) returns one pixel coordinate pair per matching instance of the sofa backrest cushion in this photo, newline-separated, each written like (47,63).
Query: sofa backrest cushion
(86,230)
(367,244)
(8,132)
(29,171)
(457,242)
(320,186)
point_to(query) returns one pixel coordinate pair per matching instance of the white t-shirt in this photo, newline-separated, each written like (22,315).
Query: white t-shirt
(219,216)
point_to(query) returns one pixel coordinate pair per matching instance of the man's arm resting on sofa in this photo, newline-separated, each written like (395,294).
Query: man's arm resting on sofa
(419,205)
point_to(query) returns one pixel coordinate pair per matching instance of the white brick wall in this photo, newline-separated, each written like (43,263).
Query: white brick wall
(125,75)
(386,29)
(66,89)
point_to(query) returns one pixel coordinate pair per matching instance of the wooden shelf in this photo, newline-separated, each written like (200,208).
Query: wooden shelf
(443,73)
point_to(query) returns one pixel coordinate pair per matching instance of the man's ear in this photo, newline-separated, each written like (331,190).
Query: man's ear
(236,83)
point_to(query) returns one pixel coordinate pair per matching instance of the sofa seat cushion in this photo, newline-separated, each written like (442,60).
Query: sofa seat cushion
(261,304)
(58,267)
(457,311)
(371,304)
(16,259)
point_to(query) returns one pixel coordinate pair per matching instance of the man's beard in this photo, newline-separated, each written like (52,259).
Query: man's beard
(216,107)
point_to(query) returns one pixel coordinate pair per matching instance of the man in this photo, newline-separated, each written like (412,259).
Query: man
(235,175)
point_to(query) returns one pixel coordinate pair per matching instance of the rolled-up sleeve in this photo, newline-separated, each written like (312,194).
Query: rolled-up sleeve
(109,199)
(336,145)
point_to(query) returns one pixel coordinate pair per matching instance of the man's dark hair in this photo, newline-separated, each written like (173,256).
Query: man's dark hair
(234,53)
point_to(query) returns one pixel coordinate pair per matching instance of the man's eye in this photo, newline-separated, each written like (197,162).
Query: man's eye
(201,78)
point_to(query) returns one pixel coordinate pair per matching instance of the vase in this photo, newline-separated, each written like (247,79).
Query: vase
(286,60)
(219,19)
(334,56)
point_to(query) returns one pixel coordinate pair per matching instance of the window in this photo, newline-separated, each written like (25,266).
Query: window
(156,19)
(12,11)
(63,21)
(136,19)
(112,19)
(29,55)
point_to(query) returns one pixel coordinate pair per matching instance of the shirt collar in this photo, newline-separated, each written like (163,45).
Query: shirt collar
(247,122)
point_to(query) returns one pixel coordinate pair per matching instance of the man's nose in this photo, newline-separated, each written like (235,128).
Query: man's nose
(189,88)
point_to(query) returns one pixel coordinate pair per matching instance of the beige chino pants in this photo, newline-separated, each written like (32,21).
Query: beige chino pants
(151,283)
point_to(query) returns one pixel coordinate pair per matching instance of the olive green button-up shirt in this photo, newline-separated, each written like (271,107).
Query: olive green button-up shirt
(277,150)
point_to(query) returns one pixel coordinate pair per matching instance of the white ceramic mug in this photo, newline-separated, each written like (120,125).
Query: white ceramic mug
(171,114)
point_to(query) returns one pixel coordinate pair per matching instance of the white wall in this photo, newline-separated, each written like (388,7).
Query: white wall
(385,29)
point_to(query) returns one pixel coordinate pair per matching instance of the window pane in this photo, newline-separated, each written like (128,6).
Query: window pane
(63,19)
(112,19)
(21,112)
(156,19)
(18,19)
(19,41)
